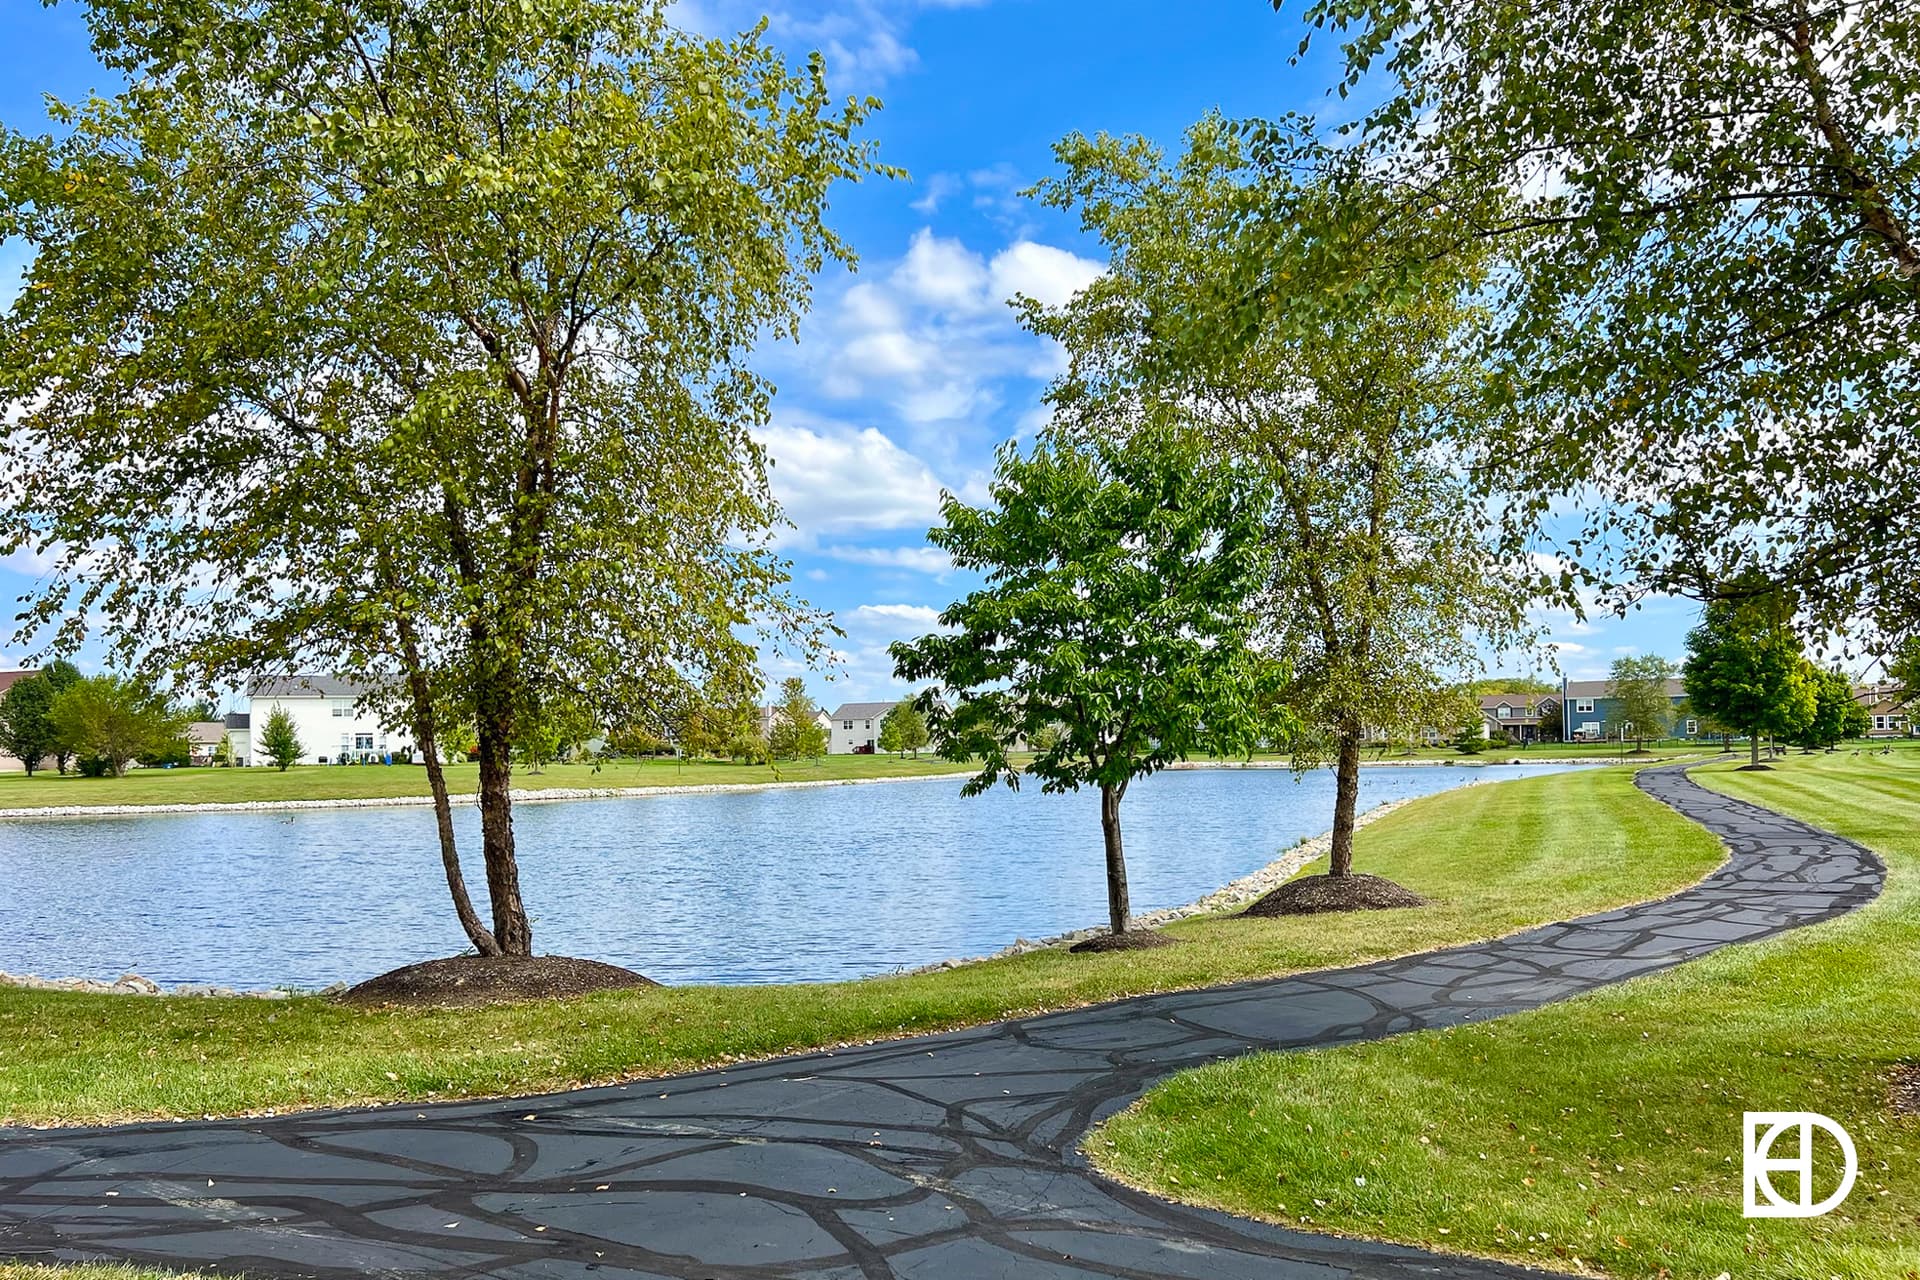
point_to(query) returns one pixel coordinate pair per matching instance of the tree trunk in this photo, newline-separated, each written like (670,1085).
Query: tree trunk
(1346,800)
(1753,740)
(1119,910)
(510,928)
(427,740)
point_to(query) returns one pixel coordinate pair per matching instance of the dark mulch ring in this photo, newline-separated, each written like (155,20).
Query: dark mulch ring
(1131,940)
(478,980)
(1358,891)
(1904,1095)
(1754,768)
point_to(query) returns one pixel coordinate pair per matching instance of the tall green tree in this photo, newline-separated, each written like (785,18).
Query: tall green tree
(1837,713)
(26,724)
(280,739)
(1113,630)
(1381,581)
(797,732)
(1745,668)
(1711,229)
(904,729)
(452,302)
(116,720)
(1643,707)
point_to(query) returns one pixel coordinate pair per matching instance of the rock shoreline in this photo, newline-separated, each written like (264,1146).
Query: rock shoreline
(1226,898)
(132,984)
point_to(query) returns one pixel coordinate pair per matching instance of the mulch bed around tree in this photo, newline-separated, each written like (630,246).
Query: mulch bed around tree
(1904,1095)
(479,980)
(1311,895)
(1131,940)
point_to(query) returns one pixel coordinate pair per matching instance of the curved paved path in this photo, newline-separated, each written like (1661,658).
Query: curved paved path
(944,1156)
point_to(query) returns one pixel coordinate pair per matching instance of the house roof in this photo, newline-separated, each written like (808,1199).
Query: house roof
(10,678)
(1518,701)
(1676,688)
(207,733)
(239,720)
(304,686)
(865,710)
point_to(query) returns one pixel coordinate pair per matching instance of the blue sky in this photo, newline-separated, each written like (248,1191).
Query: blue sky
(910,372)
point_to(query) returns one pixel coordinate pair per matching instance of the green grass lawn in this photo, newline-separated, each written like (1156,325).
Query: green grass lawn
(383,782)
(84,1271)
(1496,857)
(1604,1133)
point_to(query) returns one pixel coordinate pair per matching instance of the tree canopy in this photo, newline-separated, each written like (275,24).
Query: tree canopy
(797,731)
(1644,708)
(1112,632)
(1380,579)
(1745,668)
(904,729)
(410,340)
(27,731)
(1709,222)
(110,721)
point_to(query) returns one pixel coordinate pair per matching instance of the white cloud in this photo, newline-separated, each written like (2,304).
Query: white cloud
(931,335)
(831,477)
(942,273)
(917,618)
(1041,272)
(915,559)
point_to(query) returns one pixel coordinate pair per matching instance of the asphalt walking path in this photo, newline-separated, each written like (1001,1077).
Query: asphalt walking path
(951,1156)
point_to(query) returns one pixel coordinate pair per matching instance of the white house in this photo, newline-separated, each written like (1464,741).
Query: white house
(855,727)
(324,715)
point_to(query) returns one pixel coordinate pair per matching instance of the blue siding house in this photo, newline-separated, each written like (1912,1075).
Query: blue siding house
(1590,712)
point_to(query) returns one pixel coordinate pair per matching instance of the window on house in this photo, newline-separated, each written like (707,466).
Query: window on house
(363,742)
(1592,727)
(1693,728)
(847,724)
(338,712)
(1506,712)
(1584,705)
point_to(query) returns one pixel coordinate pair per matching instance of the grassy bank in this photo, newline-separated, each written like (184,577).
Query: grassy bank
(388,782)
(1494,857)
(1602,1134)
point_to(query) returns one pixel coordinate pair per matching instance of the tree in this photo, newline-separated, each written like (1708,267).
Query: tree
(1744,668)
(1553,723)
(115,720)
(465,352)
(797,731)
(1837,714)
(280,739)
(1381,577)
(1712,237)
(26,727)
(904,729)
(554,731)
(223,752)
(1113,626)
(26,730)
(1644,707)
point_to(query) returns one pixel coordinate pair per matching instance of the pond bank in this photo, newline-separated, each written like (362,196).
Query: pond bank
(555,795)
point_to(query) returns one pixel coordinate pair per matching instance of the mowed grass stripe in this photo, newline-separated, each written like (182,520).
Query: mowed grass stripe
(1603,1133)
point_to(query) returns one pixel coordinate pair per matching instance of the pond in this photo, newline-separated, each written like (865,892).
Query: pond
(740,886)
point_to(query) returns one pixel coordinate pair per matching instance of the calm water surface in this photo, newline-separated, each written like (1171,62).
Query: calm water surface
(751,886)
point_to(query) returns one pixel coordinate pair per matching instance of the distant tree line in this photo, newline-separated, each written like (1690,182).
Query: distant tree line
(94,725)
